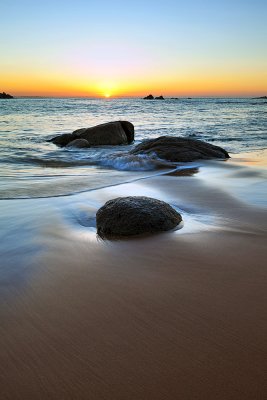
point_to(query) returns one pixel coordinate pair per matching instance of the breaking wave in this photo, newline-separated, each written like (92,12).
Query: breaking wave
(131,162)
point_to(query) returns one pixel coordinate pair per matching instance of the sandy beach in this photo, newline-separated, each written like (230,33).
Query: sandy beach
(180,315)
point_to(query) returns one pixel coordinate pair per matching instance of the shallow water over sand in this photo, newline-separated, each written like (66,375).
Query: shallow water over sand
(196,193)
(174,315)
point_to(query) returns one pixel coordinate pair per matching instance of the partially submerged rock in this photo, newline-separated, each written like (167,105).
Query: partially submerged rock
(135,215)
(178,149)
(159,98)
(62,140)
(78,143)
(111,133)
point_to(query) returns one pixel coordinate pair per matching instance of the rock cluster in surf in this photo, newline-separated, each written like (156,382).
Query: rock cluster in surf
(135,215)
(111,133)
(168,148)
(179,149)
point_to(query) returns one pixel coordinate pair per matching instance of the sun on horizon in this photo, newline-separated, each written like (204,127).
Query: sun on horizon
(106,89)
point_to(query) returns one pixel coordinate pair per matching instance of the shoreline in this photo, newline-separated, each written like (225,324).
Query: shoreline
(175,315)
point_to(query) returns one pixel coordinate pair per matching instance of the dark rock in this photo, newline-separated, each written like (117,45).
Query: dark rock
(78,143)
(6,96)
(178,149)
(62,140)
(129,216)
(129,130)
(79,132)
(150,97)
(262,97)
(111,133)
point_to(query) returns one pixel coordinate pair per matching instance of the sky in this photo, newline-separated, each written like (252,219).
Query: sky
(133,48)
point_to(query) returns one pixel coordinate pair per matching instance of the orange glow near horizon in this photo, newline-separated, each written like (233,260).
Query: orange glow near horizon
(188,86)
(212,51)
(174,84)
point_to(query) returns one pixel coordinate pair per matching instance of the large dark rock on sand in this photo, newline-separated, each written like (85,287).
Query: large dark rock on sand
(129,216)
(178,149)
(111,133)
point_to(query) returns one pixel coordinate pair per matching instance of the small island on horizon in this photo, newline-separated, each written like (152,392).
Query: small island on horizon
(6,96)
(151,97)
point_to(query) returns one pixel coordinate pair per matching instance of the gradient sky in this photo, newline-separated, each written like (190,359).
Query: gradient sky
(133,48)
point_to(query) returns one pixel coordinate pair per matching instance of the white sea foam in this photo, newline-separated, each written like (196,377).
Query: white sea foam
(131,162)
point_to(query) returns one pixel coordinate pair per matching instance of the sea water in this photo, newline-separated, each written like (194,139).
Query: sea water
(32,167)
(50,194)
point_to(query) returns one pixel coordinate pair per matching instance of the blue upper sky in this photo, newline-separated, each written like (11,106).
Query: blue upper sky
(114,41)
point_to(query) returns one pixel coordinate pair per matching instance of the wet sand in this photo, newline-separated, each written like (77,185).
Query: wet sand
(180,315)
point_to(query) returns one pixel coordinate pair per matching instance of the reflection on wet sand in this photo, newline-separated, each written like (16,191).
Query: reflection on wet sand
(183,172)
(176,315)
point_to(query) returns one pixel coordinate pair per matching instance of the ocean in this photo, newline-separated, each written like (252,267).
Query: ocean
(31,167)
(41,183)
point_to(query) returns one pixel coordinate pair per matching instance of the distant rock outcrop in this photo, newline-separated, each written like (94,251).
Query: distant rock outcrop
(6,96)
(262,97)
(149,97)
(179,149)
(135,215)
(111,133)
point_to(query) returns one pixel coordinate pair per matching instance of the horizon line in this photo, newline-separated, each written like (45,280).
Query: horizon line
(137,97)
